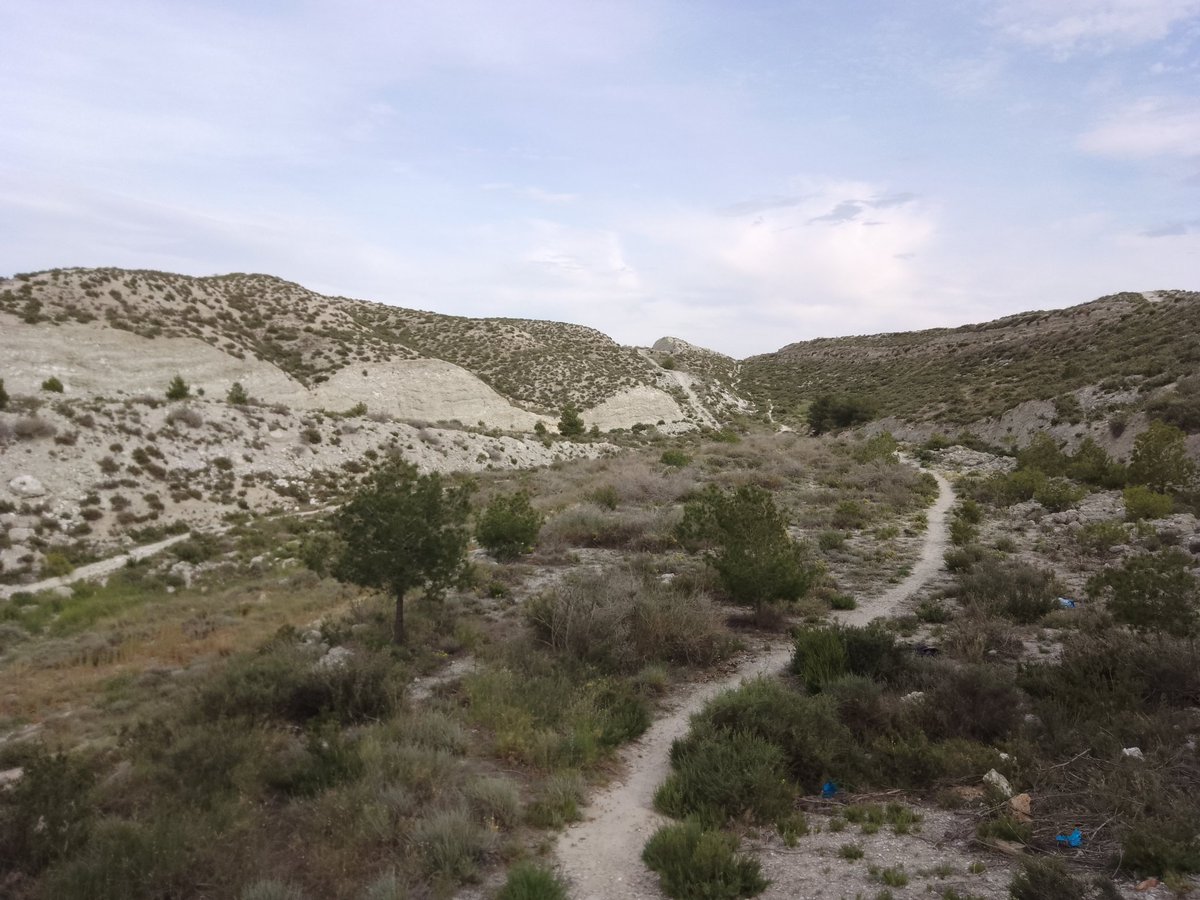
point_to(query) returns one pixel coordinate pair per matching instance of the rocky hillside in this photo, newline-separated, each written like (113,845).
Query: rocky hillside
(288,344)
(1116,355)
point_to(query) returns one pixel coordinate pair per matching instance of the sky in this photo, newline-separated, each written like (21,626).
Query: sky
(738,174)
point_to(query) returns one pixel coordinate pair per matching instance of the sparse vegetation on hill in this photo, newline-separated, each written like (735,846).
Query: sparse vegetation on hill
(1124,343)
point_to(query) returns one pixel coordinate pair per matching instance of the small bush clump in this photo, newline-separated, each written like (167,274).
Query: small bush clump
(508,527)
(695,863)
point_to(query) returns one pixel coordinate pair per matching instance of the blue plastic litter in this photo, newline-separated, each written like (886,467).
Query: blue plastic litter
(1066,603)
(828,789)
(1074,839)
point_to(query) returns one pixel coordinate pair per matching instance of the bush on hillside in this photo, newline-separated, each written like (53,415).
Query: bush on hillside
(508,527)
(696,863)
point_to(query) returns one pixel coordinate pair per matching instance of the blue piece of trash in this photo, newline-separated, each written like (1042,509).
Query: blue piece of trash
(1066,603)
(1074,839)
(828,789)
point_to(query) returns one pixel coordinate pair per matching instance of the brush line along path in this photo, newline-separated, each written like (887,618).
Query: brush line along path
(601,856)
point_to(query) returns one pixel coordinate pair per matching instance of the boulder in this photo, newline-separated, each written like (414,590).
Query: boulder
(27,486)
(999,782)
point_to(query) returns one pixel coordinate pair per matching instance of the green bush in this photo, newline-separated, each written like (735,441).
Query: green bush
(571,424)
(1157,847)
(47,814)
(558,801)
(178,389)
(451,844)
(1044,878)
(1160,459)
(827,412)
(237,395)
(721,775)
(805,728)
(53,385)
(675,458)
(748,545)
(1011,588)
(3,395)
(694,863)
(825,653)
(508,527)
(1152,592)
(529,881)
(125,859)
(1143,503)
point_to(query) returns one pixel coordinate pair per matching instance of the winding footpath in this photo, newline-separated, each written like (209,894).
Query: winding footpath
(602,855)
(101,569)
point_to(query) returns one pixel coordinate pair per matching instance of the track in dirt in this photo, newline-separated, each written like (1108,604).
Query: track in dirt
(601,856)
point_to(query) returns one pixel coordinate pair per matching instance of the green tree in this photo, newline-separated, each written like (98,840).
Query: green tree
(1160,459)
(237,395)
(827,412)
(509,526)
(402,531)
(1152,592)
(571,424)
(3,395)
(178,389)
(53,385)
(745,539)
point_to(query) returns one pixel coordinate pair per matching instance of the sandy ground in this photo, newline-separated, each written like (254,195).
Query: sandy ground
(601,856)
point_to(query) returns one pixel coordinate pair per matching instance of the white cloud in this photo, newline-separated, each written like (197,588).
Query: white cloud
(1067,26)
(1150,128)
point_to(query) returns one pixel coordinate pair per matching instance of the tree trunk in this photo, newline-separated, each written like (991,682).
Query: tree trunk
(398,622)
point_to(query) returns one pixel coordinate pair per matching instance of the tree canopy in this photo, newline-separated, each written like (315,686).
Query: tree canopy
(402,531)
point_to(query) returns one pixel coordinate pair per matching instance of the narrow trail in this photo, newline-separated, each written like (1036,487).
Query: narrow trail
(602,855)
(94,570)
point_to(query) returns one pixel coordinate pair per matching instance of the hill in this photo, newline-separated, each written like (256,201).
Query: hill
(1126,347)
(309,349)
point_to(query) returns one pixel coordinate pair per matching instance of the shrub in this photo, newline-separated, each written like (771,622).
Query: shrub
(1160,459)
(47,815)
(529,881)
(1045,877)
(3,395)
(32,427)
(1143,503)
(508,527)
(558,801)
(495,800)
(695,863)
(827,412)
(237,395)
(53,385)
(125,859)
(806,728)
(571,424)
(1155,847)
(451,844)
(1152,592)
(57,564)
(721,775)
(675,458)
(750,549)
(827,653)
(187,415)
(178,389)
(1014,589)
(621,622)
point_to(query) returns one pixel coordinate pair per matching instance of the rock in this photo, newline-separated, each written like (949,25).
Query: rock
(1134,753)
(11,776)
(1148,885)
(62,591)
(999,782)
(335,659)
(913,697)
(20,534)
(27,486)
(1022,807)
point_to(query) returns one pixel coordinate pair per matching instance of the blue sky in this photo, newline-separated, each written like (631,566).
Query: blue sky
(741,175)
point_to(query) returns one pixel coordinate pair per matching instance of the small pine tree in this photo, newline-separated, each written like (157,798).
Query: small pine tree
(1160,460)
(178,389)
(539,429)
(571,424)
(3,395)
(53,385)
(509,526)
(237,395)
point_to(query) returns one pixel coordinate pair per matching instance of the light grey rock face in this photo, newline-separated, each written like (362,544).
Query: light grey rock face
(335,659)
(20,534)
(26,486)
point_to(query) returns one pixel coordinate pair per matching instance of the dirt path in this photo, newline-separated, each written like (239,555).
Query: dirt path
(602,855)
(94,570)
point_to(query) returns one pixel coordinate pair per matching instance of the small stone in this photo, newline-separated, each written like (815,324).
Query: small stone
(913,697)
(1134,753)
(1022,807)
(335,659)
(11,776)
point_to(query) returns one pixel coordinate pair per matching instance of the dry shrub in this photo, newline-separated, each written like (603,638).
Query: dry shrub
(621,621)
(187,415)
(28,428)
(588,525)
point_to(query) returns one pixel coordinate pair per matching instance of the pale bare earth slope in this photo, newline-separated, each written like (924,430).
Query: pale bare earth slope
(602,855)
